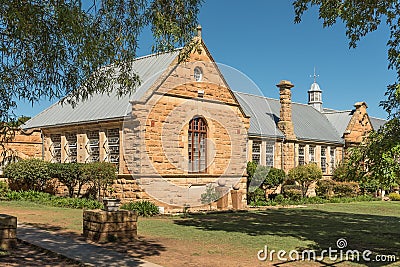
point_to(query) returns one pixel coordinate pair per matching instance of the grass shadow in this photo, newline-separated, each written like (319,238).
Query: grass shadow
(138,248)
(379,234)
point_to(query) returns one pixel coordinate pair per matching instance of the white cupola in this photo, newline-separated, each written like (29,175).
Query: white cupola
(315,95)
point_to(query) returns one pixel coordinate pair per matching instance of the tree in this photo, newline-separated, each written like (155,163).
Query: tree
(375,163)
(361,18)
(52,49)
(305,175)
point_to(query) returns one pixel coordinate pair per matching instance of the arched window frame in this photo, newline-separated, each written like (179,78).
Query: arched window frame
(197,145)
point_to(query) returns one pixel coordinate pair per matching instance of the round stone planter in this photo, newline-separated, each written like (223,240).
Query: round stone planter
(111,204)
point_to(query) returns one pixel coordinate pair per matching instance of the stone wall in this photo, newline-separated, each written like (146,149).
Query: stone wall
(24,145)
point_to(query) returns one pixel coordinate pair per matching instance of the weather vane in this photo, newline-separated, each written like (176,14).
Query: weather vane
(315,76)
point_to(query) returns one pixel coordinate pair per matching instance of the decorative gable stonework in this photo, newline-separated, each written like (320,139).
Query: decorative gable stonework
(157,144)
(359,125)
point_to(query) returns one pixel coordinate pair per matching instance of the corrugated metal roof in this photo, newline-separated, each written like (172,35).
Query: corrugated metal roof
(377,123)
(102,106)
(308,123)
(263,113)
(339,119)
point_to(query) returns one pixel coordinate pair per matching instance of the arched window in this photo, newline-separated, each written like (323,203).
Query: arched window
(197,146)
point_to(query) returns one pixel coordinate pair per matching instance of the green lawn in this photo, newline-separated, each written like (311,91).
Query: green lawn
(365,225)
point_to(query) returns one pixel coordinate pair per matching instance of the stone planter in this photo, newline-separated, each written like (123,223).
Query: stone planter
(111,204)
(110,226)
(8,232)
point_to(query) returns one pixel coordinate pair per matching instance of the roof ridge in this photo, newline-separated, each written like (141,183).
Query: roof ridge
(377,118)
(158,53)
(337,111)
(275,99)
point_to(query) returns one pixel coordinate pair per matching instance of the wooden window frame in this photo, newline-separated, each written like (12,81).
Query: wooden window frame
(195,161)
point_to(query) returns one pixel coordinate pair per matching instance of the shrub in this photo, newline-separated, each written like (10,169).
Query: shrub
(50,200)
(100,174)
(70,174)
(3,189)
(143,208)
(394,196)
(279,198)
(324,188)
(256,195)
(293,194)
(369,185)
(261,178)
(340,173)
(305,175)
(346,189)
(274,178)
(31,174)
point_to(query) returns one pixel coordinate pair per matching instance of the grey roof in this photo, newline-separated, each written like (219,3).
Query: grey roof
(339,119)
(102,106)
(263,113)
(377,123)
(308,123)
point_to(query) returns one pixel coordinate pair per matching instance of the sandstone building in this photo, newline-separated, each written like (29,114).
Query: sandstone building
(184,128)
(22,145)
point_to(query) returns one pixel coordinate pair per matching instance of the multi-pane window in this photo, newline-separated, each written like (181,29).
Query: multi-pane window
(55,147)
(256,152)
(301,154)
(71,147)
(269,154)
(197,147)
(332,162)
(92,146)
(311,153)
(323,159)
(112,148)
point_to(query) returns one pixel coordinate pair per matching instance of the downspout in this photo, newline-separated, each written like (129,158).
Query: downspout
(282,157)
(343,153)
(42,136)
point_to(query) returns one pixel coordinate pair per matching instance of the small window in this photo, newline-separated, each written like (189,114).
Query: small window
(269,155)
(301,154)
(71,147)
(323,159)
(55,148)
(256,151)
(311,153)
(93,146)
(198,74)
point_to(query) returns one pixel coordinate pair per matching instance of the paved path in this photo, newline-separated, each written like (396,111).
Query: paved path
(88,254)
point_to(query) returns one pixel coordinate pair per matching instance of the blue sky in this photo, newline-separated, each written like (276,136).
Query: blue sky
(260,39)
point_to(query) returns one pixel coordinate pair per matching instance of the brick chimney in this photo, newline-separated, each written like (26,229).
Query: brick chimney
(285,123)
